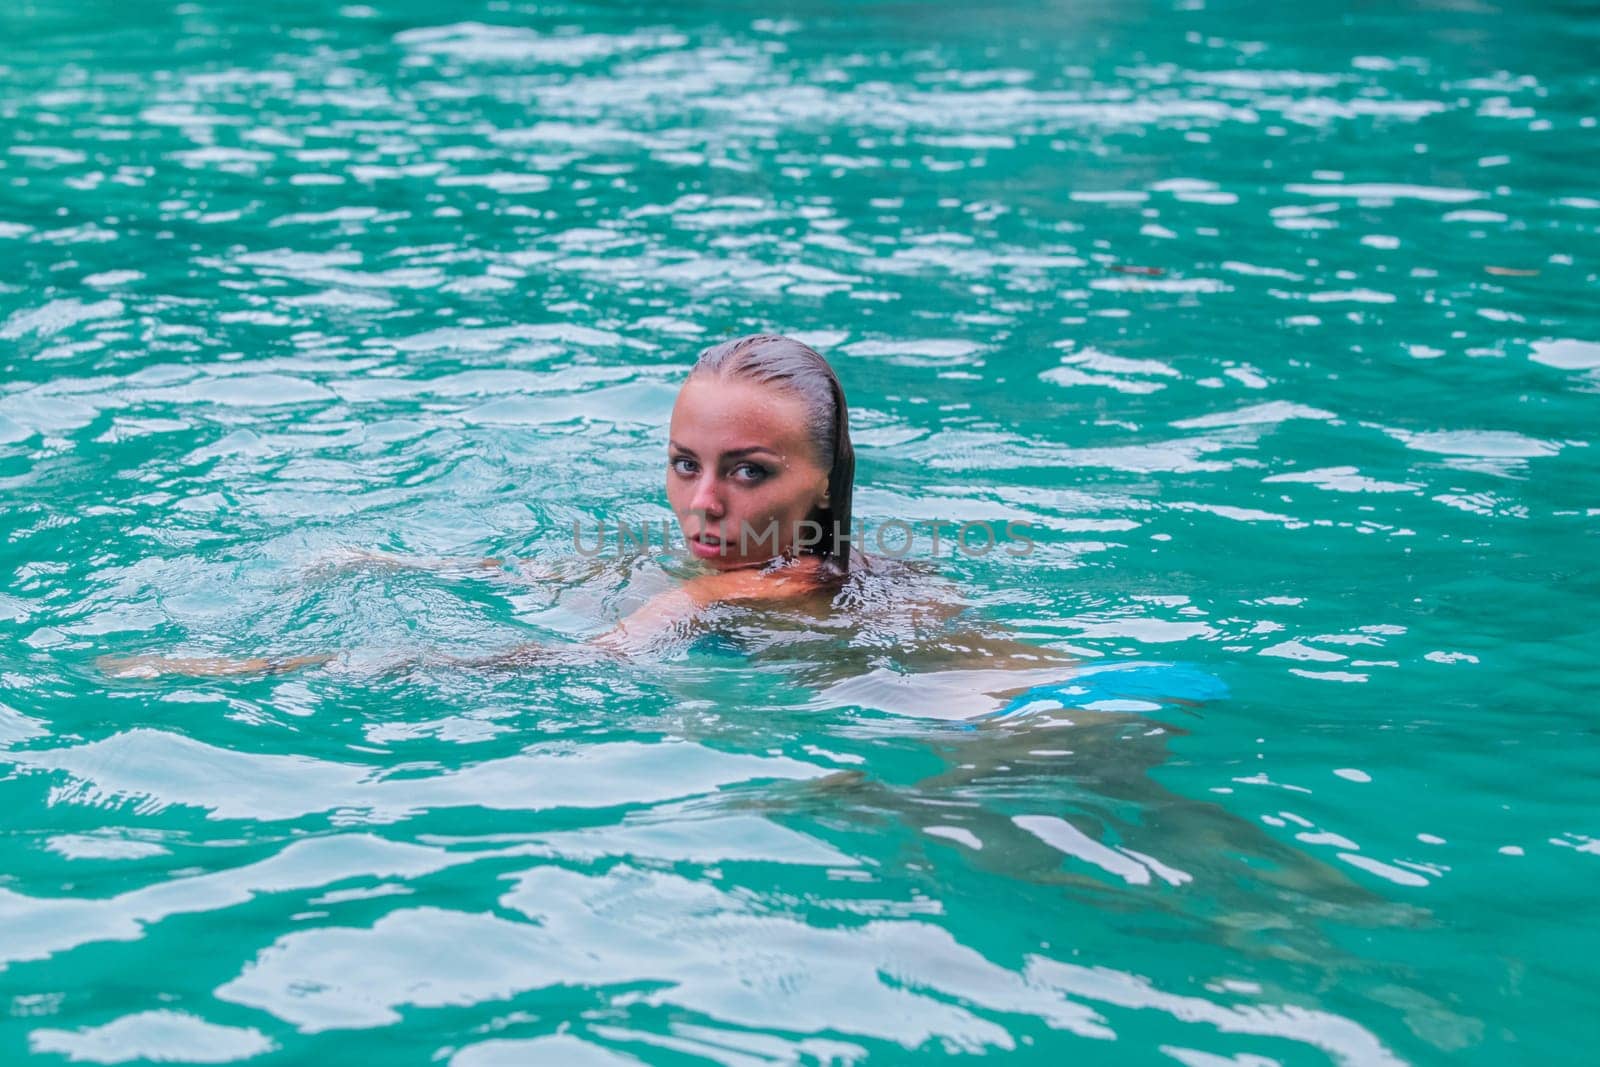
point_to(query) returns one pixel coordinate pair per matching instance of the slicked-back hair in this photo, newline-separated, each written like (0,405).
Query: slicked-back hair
(796,368)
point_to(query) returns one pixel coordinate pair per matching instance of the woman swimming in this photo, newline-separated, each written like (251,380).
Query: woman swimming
(761,479)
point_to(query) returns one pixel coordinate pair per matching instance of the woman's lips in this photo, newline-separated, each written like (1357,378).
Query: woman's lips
(705,546)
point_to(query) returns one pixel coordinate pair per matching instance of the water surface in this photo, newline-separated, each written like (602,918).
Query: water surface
(1278,325)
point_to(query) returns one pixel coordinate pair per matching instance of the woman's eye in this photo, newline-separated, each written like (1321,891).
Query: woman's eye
(683,465)
(749,472)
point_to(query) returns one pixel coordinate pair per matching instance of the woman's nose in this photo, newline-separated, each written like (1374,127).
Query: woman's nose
(707,500)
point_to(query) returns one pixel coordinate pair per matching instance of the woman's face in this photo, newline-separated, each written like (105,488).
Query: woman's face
(740,462)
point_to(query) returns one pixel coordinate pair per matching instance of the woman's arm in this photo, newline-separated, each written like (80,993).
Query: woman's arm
(663,616)
(670,615)
(348,559)
(152,666)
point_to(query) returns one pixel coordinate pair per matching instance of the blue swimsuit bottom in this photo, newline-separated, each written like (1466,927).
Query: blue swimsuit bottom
(1134,686)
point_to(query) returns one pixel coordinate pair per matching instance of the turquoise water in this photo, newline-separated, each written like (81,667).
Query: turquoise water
(1277,324)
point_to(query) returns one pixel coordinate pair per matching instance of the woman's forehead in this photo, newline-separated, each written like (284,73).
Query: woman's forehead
(719,409)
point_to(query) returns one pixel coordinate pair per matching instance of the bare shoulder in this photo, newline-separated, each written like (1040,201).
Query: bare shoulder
(798,580)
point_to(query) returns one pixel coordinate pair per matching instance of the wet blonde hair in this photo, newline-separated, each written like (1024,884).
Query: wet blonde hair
(797,369)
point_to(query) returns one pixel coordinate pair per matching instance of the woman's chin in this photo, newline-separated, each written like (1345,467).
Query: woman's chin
(727,563)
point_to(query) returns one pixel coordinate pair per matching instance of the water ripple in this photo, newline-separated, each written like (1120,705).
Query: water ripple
(1275,329)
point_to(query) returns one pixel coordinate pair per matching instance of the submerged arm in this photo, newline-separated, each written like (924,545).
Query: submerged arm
(351,559)
(664,617)
(670,615)
(152,666)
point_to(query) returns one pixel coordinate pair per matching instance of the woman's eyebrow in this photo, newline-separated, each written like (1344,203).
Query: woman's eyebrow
(732,453)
